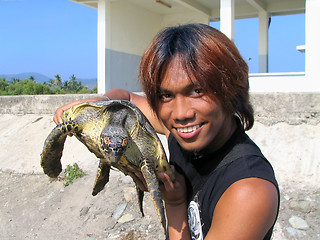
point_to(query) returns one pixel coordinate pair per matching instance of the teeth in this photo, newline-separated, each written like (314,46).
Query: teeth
(188,129)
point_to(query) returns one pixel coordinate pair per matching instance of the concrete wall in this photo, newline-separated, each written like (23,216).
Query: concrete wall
(292,108)
(270,108)
(287,130)
(37,104)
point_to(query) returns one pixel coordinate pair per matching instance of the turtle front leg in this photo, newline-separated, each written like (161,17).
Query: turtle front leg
(150,176)
(53,147)
(102,177)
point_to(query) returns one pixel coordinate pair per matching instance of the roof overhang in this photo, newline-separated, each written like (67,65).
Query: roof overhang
(243,8)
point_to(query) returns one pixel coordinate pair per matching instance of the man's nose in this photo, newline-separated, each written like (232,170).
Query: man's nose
(182,109)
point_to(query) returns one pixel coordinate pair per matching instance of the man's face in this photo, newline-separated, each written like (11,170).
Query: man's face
(197,121)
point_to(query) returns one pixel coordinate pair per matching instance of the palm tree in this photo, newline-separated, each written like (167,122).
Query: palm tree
(73,84)
(58,80)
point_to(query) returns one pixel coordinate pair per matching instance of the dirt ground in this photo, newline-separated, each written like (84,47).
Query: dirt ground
(33,207)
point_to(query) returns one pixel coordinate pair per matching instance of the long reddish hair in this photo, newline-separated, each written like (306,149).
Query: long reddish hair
(209,58)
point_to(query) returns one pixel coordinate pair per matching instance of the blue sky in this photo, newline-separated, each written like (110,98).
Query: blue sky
(49,37)
(60,37)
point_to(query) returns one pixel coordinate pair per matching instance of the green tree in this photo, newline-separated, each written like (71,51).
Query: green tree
(3,86)
(73,86)
(58,80)
(29,86)
(25,87)
(95,89)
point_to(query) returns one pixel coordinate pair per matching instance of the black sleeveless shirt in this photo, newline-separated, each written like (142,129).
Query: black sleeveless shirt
(209,176)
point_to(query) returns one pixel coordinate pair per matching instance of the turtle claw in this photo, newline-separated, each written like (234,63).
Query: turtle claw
(52,173)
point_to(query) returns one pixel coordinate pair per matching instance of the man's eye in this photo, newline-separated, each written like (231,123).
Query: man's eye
(198,91)
(165,96)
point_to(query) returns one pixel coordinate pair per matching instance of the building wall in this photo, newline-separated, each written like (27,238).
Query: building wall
(184,18)
(131,33)
(123,69)
(129,30)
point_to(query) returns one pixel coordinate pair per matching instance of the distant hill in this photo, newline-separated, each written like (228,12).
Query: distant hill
(38,77)
(90,83)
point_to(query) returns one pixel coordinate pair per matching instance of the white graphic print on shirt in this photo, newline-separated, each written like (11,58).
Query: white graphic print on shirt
(194,221)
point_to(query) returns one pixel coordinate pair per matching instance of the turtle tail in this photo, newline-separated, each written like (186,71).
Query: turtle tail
(53,147)
(140,195)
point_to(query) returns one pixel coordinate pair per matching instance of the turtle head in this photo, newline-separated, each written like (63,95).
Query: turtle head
(114,141)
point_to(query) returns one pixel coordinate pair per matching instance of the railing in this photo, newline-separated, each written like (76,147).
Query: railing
(279,82)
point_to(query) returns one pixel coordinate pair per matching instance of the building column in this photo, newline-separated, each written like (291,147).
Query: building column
(263,41)
(312,66)
(227,18)
(103,42)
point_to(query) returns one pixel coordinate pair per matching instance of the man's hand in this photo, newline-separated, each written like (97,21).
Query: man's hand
(175,193)
(172,193)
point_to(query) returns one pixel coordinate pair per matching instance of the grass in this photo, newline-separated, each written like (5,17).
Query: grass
(71,173)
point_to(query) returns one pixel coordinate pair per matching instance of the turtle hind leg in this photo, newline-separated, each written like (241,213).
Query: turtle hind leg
(102,177)
(53,147)
(154,189)
(140,195)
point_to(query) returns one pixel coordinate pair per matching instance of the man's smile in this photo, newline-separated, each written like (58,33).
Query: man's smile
(188,129)
(189,132)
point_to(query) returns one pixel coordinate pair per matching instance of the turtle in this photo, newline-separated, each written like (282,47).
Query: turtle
(120,135)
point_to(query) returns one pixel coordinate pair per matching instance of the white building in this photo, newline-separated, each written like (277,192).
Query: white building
(126,27)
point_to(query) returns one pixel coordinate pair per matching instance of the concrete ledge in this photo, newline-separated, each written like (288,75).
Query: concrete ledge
(37,104)
(270,108)
(292,108)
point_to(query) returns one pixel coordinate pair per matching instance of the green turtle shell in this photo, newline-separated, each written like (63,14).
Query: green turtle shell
(120,122)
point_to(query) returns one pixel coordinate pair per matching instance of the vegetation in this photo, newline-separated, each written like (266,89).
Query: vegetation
(71,173)
(30,87)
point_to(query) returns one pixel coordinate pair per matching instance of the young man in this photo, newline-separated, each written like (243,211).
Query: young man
(196,86)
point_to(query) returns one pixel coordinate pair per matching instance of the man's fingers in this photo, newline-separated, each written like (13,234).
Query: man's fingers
(57,117)
(168,184)
(57,120)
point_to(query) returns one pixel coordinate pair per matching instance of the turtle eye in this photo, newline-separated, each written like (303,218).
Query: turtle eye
(124,142)
(105,141)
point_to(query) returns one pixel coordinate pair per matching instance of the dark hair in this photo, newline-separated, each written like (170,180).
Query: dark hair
(209,58)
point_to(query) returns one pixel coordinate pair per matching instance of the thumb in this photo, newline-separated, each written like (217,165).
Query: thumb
(168,184)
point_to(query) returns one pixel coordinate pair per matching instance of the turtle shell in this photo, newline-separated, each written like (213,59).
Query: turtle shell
(119,134)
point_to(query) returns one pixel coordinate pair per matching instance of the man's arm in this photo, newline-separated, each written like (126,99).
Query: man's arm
(175,197)
(119,94)
(246,210)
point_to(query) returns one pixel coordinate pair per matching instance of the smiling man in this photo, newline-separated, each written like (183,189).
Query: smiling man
(196,86)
